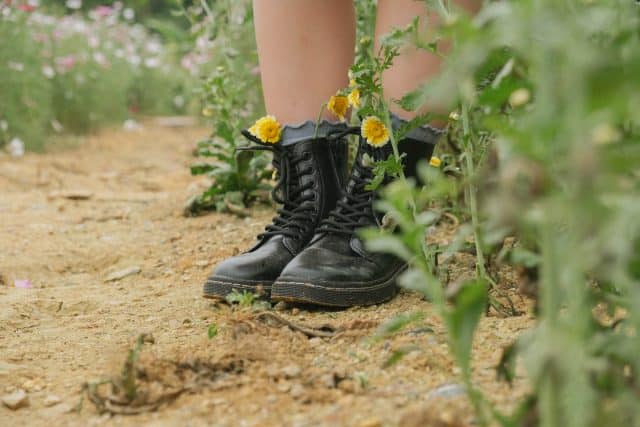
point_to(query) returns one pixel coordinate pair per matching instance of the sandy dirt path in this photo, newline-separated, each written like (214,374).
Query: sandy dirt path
(73,219)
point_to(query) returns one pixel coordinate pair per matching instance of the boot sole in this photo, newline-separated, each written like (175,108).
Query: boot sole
(219,289)
(310,293)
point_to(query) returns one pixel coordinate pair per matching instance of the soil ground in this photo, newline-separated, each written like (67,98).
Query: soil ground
(70,219)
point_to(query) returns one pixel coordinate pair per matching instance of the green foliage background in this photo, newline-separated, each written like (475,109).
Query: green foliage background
(102,84)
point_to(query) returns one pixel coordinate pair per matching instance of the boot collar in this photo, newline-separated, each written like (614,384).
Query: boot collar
(305,131)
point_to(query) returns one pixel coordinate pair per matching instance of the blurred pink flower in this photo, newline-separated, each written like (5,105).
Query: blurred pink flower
(103,11)
(187,62)
(26,8)
(93,41)
(66,62)
(22,284)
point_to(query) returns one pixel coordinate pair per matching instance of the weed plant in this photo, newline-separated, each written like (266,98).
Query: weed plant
(550,88)
(231,102)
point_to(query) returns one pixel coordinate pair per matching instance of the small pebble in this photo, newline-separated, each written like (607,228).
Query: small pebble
(447,391)
(371,422)
(28,385)
(284,386)
(328,381)
(280,306)
(348,386)
(315,341)
(292,371)
(272,371)
(297,391)
(16,400)
(51,400)
(121,274)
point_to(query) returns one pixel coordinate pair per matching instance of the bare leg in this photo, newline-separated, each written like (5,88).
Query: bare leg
(413,66)
(305,49)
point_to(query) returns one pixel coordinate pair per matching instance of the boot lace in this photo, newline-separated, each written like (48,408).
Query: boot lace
(354,209)
(296,215)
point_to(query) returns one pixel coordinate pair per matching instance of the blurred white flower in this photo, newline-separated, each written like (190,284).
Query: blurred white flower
(203,42)
(134,60)
(33,3)
(74,4)
(57,126)
(131,125)
(4,126)
(128,14)
(16,66)
(16,147)
(48,71)
(119,53)
(178,101)
(152,62)
(79,27)
(154,46)
(100,58)
(137,32)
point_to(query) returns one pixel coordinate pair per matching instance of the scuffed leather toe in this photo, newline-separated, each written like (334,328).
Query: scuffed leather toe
(331,272)
(253,271)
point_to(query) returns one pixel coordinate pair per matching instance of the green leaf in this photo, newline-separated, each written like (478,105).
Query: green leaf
(202,168)
(468,306)
(385,243)
(396,324)
(212,330)
(243,299)
(397,356)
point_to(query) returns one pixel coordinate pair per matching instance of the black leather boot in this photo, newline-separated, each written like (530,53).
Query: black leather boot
(335,269)
(311,173)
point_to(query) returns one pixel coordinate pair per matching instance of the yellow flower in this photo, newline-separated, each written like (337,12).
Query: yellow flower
(338,105)
(519,97)
(435,162)
(352,83)
(354,98)
(207,111)
(266,129)
(605,133)
(375,131)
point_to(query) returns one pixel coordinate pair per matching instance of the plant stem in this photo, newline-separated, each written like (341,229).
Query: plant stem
(472,193)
